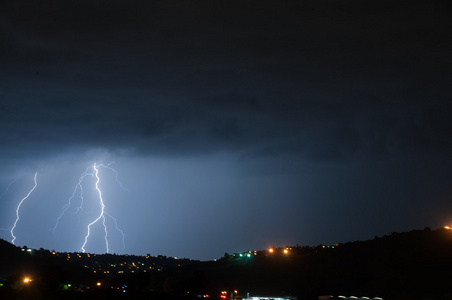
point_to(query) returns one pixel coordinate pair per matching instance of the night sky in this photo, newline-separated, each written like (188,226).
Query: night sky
(233,125)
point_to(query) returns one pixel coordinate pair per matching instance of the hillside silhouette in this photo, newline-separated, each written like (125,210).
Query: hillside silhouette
(408,265)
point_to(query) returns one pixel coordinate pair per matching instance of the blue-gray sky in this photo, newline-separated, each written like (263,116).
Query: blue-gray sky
(234,125)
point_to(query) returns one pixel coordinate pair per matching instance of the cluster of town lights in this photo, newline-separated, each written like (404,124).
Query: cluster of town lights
(224,294)
(285,250)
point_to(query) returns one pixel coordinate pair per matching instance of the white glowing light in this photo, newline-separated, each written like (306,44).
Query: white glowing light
(68,207)
(101,216)
(18,208)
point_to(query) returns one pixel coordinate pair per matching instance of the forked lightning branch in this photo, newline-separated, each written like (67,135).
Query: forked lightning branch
(69,208)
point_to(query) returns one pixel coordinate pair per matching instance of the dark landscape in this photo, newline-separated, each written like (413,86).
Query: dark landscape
(406,265)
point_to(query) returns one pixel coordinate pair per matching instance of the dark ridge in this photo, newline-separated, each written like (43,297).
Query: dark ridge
(407,265)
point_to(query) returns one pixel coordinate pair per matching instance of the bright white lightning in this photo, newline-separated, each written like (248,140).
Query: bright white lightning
(18,208)
(91,171)
(79,186)
(102,212)
(102,205)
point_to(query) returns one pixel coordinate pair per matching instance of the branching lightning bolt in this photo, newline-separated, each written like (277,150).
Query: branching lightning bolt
(101,216)
(92,171)
(18,208)
(103,212)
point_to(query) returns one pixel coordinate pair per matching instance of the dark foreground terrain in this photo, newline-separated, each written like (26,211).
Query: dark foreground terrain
(409,265)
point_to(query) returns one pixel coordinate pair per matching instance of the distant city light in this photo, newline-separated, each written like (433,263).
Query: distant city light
(268,298)
(271,250)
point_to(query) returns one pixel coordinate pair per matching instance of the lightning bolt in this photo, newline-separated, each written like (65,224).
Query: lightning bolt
(101,216)
(18,208)
(94,172)
(103,213)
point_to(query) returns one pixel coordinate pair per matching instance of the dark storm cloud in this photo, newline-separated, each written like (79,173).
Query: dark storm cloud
(320,79)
